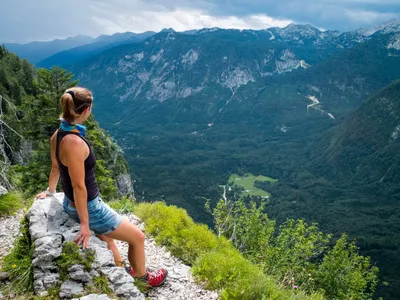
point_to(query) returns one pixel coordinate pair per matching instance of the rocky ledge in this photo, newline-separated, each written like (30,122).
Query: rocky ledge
(51,230)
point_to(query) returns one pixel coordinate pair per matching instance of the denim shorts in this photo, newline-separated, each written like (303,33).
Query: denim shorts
(102,218)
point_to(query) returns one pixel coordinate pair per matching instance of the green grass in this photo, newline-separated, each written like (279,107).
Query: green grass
(10,203)
(18,263)
(124,205)
(214,260)
(247,183)
(100,286)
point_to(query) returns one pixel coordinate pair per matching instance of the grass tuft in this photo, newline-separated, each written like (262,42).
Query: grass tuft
(124,205)
(18,263)
(10,203)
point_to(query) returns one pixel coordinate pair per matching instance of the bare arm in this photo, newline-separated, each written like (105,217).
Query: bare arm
(55,172)
(76,152)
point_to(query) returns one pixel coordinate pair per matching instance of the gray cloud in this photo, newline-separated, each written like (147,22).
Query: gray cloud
(330,14)
(23,21)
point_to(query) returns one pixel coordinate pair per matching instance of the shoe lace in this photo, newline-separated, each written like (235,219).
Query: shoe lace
(156,274)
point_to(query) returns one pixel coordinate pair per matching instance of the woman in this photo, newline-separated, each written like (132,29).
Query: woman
(73,159)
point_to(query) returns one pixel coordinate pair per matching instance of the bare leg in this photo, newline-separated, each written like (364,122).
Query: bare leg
(111,246)
(129,233)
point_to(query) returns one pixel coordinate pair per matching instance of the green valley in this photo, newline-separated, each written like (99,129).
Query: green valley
(247,183)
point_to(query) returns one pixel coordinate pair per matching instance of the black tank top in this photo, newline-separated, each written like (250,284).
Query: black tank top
(90,163)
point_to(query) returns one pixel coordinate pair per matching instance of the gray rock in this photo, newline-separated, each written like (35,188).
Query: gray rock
(70,233)
(70,289)
(4,276)
(38,274)
(104,257)
(51,280)
(77,273)
(94,273)
(38,286)
(117,275)
(47,248)
(129,291)
(124,184)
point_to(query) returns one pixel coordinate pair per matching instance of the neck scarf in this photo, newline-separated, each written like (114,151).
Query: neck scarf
(77,128)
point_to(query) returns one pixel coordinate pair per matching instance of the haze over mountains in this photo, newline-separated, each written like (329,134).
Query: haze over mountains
(318,111)
(72,49)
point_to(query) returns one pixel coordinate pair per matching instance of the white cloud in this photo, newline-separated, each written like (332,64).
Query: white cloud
(183,19)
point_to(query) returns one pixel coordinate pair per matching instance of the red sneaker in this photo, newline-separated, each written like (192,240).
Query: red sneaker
(152,278)
(156,278)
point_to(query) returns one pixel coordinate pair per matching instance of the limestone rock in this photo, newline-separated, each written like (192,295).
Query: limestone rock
(71,288)
(104,257)
(124,184)
(50,227)
(77,273)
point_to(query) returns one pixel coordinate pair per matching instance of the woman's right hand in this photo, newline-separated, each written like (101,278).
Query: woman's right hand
(83,237)
(42,195)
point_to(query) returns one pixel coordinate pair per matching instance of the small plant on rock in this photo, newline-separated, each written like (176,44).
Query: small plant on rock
(71,255)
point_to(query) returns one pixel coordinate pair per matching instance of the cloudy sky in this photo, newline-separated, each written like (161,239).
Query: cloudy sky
(27,20)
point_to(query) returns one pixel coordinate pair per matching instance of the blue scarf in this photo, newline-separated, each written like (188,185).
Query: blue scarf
(77,128)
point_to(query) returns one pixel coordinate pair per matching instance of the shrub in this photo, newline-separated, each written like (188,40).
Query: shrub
(291,255)
(125,205)
(294,253)
(344,274)
(214,259)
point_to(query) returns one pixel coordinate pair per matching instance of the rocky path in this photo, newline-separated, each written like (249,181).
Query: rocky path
(180,284)
(9,230)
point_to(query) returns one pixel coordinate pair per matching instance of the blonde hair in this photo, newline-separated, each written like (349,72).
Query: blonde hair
(74,101)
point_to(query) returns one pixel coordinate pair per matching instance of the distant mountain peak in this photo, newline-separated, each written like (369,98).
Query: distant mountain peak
(305,31)
(168,30)
(207,30)
(387,27)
